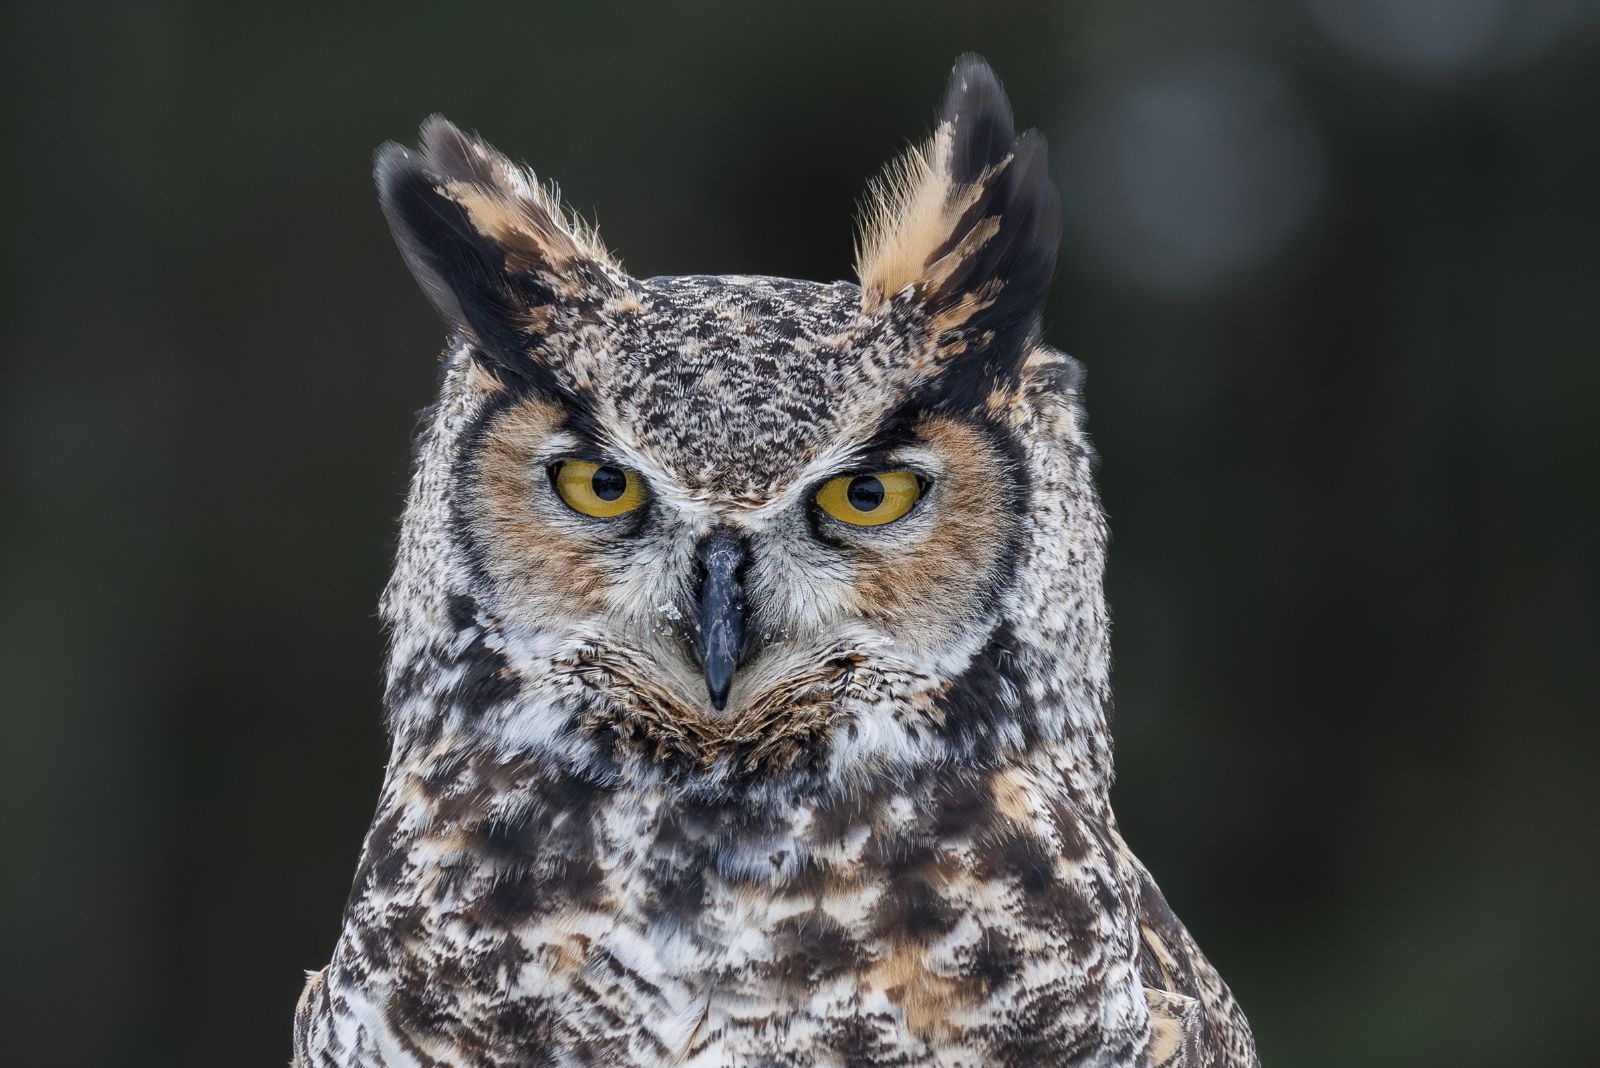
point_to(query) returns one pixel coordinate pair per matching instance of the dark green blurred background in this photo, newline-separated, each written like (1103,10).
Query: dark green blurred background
(1331,265)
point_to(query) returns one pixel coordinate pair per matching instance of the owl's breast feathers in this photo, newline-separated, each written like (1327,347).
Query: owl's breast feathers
(507,913)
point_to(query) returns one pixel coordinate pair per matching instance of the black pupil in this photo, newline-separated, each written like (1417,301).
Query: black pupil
(608,483)
(865,493)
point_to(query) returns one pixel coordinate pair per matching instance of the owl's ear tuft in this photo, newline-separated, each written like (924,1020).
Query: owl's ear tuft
(966,226)
(492,248)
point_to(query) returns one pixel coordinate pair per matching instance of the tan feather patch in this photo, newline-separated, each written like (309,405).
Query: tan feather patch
(1174,1029)
(912,210)
(927,998)
(523,228)
(925,589)
(547,567)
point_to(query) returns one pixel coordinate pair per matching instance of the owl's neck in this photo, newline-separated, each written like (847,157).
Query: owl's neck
(1041,686)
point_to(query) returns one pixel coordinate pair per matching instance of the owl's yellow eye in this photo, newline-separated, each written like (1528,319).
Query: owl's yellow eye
(870,500)
(598,490)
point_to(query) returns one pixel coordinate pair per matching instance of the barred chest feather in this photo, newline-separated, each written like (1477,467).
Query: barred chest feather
(507,914)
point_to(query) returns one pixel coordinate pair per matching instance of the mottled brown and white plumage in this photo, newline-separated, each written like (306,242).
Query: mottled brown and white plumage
(885,838)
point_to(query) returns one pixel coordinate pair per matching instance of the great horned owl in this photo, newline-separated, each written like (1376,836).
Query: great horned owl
(748,679)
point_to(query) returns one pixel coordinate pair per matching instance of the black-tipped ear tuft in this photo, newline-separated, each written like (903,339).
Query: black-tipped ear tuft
(493,249)
(967,228)
(457,156)
(979,116)
(424,225)
(1022,253)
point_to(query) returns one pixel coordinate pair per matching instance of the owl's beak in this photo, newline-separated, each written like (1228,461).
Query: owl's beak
(717,622)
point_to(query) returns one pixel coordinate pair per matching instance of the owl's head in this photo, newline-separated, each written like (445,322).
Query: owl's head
(721,525)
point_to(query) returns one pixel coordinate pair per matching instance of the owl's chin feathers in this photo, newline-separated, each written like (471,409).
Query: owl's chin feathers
(789,704)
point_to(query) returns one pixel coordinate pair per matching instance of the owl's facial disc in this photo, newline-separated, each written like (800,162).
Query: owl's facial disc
(662,591)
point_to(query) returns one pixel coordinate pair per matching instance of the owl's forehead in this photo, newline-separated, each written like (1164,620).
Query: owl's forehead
(734,383)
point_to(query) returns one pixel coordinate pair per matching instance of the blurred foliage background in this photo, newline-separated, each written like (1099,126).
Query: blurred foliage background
(1331,265)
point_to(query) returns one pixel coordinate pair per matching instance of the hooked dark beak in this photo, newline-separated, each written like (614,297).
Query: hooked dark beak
(717,622)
